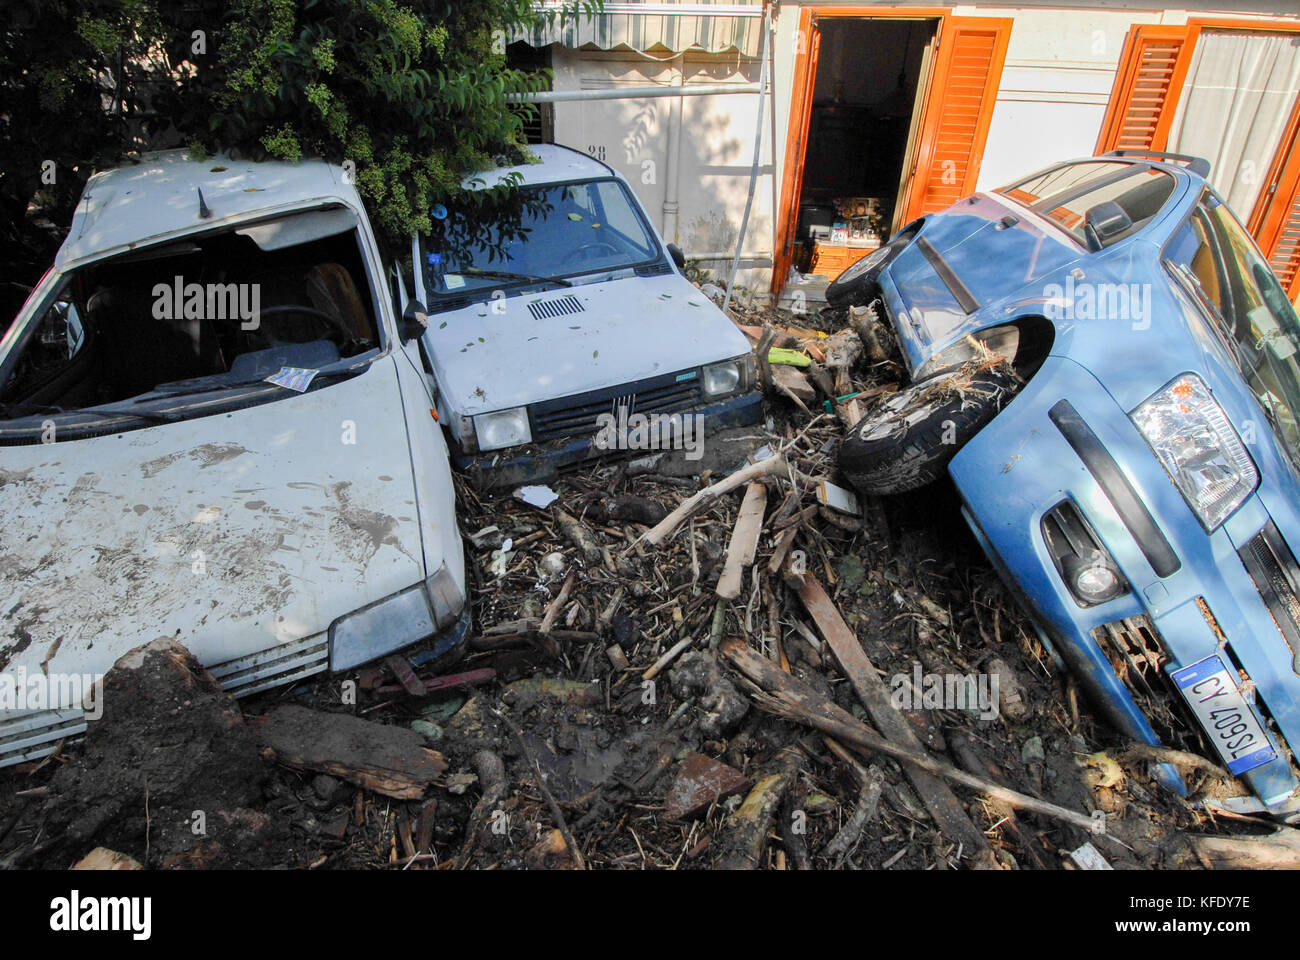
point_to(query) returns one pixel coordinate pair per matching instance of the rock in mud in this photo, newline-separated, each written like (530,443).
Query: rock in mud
(171,756)
(697,674)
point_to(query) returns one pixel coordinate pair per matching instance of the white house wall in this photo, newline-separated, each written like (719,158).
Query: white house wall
(1059,70)
(1055,84)
(715,156)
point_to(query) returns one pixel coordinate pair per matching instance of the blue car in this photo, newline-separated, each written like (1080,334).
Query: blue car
(1106,366)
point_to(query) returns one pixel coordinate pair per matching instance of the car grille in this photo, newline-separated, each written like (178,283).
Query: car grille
(1272,567)
(1137,655)
(31,736)
(576,416)
(274,667)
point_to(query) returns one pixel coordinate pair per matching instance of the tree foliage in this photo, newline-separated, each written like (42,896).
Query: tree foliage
(414,93)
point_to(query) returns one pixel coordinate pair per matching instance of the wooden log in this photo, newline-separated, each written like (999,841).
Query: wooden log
(1279,850)
(787,696)
(661,531)
(867,805)
(580,536)
(1179,758)
(744,541)
(386,759)
(1029,845)
(863,320)
(556,604)
(942,803)
(747,829)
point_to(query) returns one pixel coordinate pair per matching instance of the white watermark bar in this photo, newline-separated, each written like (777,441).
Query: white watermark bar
(21,692)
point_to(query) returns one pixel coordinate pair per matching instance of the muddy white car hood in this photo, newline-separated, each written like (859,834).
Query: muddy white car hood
(232,534)
(620,331)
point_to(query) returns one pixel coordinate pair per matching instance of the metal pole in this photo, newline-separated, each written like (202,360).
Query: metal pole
(753,173)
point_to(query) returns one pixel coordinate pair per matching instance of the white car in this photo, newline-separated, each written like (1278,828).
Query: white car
(559,313)
(154,482)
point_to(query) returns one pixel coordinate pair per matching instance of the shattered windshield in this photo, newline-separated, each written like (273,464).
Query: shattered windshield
(1213,258)
(535,234)
(205,313)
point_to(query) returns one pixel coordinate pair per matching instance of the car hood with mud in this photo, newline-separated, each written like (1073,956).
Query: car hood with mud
(231,547)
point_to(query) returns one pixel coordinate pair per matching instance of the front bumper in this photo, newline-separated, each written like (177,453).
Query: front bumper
(30,735)
(542,463)
(1189,594)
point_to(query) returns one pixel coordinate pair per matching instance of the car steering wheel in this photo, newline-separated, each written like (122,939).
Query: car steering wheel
(594,245)
(337,325)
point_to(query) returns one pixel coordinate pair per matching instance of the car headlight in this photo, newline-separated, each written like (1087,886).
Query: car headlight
(724,378)
(982,345)
(1196,444)
(396,621)
(505,428)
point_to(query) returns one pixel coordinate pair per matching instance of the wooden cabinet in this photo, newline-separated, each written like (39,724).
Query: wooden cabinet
(830,260)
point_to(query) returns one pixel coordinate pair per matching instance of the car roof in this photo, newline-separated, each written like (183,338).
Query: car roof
(557,164)
(159,195)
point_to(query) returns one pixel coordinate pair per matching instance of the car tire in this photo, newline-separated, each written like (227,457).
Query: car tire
(907,439)
(853,285)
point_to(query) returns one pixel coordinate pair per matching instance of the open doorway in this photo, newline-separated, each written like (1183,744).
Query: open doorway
(867,96)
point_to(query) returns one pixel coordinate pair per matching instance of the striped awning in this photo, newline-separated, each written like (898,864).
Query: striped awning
(720,27)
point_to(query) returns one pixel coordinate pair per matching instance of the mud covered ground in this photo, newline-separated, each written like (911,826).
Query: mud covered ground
(571,735)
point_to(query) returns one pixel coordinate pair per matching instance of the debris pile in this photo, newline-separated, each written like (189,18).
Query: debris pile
(753,668)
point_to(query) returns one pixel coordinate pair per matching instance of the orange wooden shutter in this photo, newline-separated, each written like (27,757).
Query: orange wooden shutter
(1275,221)
(805,68)
(958,109)
(1284,256)
(1152,68)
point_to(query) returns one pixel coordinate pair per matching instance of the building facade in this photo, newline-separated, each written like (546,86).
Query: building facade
(873,115)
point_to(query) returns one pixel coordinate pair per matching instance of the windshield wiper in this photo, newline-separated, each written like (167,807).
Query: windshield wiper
(507,275)
(154,416)
(36,409)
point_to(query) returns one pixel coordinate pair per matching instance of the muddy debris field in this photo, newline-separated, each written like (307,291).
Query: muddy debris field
(750,668)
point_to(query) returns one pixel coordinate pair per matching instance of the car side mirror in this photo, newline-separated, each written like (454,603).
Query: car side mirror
(415,318)
(679,258)
(1104,222)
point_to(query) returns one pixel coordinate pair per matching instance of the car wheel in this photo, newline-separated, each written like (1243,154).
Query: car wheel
(907,439)
(854,284)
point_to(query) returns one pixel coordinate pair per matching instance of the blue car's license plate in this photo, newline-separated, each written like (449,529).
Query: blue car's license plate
(1211,691)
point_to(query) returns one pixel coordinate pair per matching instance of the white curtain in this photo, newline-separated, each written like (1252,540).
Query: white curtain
(1239,93)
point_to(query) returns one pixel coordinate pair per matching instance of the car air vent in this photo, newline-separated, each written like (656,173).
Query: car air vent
(442,306)
(560,307)
(654,270)
(1273,568)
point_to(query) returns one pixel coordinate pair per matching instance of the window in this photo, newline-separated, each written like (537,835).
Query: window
(536,234)
(1227,91)
(1065,194)
(209,312)
(1214,261)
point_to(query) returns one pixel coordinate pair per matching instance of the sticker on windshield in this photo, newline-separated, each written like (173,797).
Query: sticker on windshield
(454,281)
(295,378)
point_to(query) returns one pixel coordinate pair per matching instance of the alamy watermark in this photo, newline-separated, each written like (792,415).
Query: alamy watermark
(1084,300)
(974,692)
(20,691)
(179,300)
(625,430)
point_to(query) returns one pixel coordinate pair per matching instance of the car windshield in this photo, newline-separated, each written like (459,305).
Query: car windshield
(1066,193)
(206,313)
(535,234)
(1213,258)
